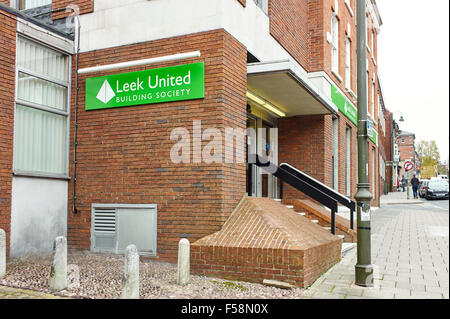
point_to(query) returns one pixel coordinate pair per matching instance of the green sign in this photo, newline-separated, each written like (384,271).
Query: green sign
(347,108)
(373,136)
(176,83)
(344,105)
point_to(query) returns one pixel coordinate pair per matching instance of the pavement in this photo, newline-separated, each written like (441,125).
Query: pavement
(410,254)
(16,293)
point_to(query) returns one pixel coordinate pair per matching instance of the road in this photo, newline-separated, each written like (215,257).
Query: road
(437,204)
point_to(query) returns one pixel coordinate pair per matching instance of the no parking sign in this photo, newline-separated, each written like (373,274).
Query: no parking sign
(408,166)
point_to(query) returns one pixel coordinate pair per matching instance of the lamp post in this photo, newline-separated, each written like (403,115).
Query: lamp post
(363,268)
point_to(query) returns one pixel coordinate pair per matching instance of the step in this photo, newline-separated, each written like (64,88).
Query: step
(277,199)
(327,228)
(346,247)
(315,221)
(290,206)
(303,214)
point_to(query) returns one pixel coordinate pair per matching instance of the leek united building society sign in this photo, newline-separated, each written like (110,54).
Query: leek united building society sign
(177,83)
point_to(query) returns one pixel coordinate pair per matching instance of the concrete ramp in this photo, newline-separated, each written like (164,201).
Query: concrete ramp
(263,239)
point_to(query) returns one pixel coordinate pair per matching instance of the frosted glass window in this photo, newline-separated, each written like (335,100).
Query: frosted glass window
(40,59)
(46,93)
(39,141)
(41,115)
(28,4)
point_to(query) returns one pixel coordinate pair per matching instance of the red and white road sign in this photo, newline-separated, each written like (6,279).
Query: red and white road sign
(408,166)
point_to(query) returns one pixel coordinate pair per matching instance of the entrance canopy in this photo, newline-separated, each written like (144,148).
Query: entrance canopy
(283,84)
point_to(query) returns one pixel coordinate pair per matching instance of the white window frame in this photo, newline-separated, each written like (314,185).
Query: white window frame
(66,113)
(372,104)
(334,43)
(348,63)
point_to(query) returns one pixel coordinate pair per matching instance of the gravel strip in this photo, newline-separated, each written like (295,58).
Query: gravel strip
(101,278)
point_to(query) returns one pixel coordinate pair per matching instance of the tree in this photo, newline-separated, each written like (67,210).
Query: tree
(428,152)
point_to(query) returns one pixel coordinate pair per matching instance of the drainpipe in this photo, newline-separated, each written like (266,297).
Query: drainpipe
(74,196)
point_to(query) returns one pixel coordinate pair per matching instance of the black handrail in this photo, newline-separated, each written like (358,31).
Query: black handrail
(344,200)
(302,185)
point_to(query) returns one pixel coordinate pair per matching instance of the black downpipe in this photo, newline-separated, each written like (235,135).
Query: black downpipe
(74,197)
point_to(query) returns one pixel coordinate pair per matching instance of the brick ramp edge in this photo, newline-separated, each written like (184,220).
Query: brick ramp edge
(342,224)
(230,254)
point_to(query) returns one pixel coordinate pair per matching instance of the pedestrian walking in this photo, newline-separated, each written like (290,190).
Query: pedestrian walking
(415,185)
(403,183)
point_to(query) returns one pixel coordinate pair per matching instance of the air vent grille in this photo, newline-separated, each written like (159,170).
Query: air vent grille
(105,220)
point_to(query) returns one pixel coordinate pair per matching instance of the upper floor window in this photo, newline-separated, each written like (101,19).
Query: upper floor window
(263,4)
(348,60)
(334,43)
(372,102)
(28,4)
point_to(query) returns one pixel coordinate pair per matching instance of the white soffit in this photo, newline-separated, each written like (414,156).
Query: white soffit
(285,87)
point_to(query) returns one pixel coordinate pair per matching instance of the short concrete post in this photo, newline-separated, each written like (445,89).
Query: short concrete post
(130,281)
(58,274)
(183,274)
(2,253)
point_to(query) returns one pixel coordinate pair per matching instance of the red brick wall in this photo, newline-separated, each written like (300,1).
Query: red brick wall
(289,26)
(243,2)
(302,143)
(7,85)
(124,153)
(306,143)
(85,6)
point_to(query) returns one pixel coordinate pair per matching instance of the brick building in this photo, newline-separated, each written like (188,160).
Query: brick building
(77,161)
(406,142)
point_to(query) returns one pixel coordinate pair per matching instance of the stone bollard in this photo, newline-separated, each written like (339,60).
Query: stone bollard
(130,281)
(58,273)
(183,274)
(2,253)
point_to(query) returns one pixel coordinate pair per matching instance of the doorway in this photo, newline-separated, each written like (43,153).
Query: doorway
(262,139)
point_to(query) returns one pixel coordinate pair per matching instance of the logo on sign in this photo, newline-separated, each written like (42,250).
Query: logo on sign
(106,92)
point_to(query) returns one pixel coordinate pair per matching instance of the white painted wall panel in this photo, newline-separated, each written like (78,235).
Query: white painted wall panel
(38,214)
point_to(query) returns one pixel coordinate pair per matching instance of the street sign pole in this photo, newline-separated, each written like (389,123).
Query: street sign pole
(363,267)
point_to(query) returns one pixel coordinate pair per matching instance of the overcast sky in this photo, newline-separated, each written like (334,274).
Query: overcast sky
(413,55)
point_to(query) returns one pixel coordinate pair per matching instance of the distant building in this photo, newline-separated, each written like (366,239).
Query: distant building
(407,149)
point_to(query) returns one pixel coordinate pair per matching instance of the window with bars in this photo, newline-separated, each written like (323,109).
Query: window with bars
(42,112)
(29,4)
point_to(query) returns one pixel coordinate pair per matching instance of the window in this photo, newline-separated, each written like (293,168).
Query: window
(42,112)
(28,4)
(335,154)
(335,44)
(348,73)
(371,43)
(372,102)
(348,136)
(263,4)
(373,173)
